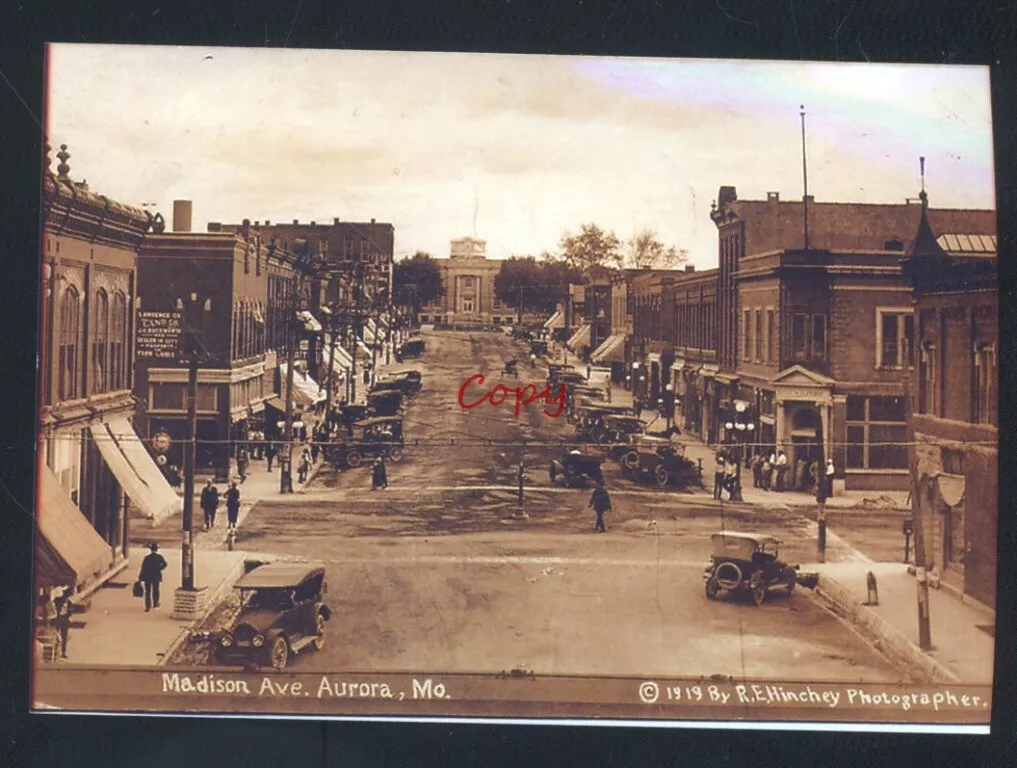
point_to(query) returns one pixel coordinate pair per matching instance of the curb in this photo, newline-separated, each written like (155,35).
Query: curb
(891,642)
(214,598)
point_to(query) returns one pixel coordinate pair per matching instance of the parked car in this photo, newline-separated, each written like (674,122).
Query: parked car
(408,381)
(371,438)
(538,348)
(412,348)
(619,429)
(591,419)
(281,613)
(662,461)
(575,469)
(749,563)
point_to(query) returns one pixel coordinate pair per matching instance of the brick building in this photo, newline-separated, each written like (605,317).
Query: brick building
(811,343)
(237,292)
(92,464)
(955,393)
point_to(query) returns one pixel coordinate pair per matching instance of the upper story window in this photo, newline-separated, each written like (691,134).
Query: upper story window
(895,335)
(985,398)
(69,378)
(100,339)
(808,336)
(771,336)
(746,353)
(118,343)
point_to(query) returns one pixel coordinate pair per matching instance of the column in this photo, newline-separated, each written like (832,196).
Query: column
(825,419)
(780,427)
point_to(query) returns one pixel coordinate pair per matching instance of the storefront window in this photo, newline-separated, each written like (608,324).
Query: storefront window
(876,433)
(168,397)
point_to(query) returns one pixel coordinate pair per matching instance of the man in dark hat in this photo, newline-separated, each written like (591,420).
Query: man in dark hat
(379,476)
(209,503)
(601,503)
(151,576)
(232,505)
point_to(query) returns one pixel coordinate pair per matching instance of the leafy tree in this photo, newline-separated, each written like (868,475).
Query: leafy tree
(518,283)
(592,250)
(645,251)
(417,281)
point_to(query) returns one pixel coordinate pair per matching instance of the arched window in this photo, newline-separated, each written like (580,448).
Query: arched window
(70,329)
(118,342)
(234,334)
(100,341)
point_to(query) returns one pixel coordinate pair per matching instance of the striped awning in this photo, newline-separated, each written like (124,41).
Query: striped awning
(611,351)
(580,338)
(557,320)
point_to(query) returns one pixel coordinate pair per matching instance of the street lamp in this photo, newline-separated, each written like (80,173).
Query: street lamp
(740,429)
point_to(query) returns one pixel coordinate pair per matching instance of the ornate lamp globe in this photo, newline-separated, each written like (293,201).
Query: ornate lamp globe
(729,426)
(750,426)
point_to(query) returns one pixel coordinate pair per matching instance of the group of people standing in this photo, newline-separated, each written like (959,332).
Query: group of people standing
(770,471)
(53,615)
(210,504)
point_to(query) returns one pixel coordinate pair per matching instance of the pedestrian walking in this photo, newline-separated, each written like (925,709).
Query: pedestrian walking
(600,500)
(379,475)
(637,405)
(232,506)
(304,466)
(243,462)
(258,445)
(315,446)
(718,475)
(589,372)
(781,468)
(270,455)
(757,470)
(830,472)
(821,488)
(801,474)
(151,576)
(62,621)
(209,503)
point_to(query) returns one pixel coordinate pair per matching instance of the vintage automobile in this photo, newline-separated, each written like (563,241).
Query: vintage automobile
(281,614)
(412,348)
(591,419)
(538,348)
(575,469)
(511,368)
(385,402)
(662,461)
(748,563)
(381,436)
(410,379)
(619,429)
(405,385)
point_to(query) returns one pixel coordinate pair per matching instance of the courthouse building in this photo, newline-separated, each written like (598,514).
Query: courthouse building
(467,277)
(92,464)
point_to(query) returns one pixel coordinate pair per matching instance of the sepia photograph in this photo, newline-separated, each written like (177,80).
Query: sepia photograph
(488,386)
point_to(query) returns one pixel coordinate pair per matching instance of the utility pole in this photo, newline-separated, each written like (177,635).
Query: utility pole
(187,542)
(286,459)
(331,370)
(924,629)
(805,179)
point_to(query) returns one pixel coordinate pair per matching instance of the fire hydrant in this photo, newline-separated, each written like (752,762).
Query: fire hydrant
(870,582)
(231,539)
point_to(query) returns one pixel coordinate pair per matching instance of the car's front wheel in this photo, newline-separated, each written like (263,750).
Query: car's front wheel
(758,587)
(319,633)
(662,477)
(279,653)
(791,585)
(395,453)
(631,460)
(354,459)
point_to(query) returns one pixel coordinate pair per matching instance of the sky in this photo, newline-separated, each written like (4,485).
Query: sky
(516,150)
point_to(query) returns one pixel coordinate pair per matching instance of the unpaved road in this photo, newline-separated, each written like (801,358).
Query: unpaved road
(435,574)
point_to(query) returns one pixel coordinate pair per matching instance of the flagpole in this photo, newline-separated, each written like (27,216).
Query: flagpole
(805,180)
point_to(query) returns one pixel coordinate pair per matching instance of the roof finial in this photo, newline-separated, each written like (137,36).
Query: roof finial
(49,160)
(63,155)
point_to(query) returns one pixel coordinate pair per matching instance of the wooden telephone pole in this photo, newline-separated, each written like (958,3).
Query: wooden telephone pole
(921,561)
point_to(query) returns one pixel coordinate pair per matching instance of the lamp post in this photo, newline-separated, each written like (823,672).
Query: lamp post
(740,429)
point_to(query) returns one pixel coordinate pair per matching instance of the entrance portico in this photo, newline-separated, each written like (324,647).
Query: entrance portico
(804,414)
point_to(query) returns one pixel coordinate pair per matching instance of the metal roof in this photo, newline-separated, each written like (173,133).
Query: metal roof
(279,575)
(756,537)
(973,244)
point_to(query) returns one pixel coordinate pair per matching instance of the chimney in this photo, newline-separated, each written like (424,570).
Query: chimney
(314,224)
(773,197)
(335,222)
(372,221)
(182,215)
(267,222)
(296,221)
(690,267)
(257,223)
(810,199)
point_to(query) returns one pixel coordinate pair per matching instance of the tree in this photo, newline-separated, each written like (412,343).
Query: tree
(417,281)
(645,251)
(592,250)
(518,283)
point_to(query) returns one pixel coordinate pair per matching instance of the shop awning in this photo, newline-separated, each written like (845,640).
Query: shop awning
(611,351)
(724,378)
(342,357)
(311,324)
(580,338)
(306,391)
(364,348)
(951,488)
(165,501)
(69,550)
(151,502)
(557,320)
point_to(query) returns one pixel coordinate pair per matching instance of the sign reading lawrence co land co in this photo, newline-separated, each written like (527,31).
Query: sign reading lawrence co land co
(158,334)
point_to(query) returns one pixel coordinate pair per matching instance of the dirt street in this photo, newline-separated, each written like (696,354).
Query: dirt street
(436,573)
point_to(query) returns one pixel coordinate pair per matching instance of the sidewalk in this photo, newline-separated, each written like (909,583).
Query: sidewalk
(116,630)
(961,650)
